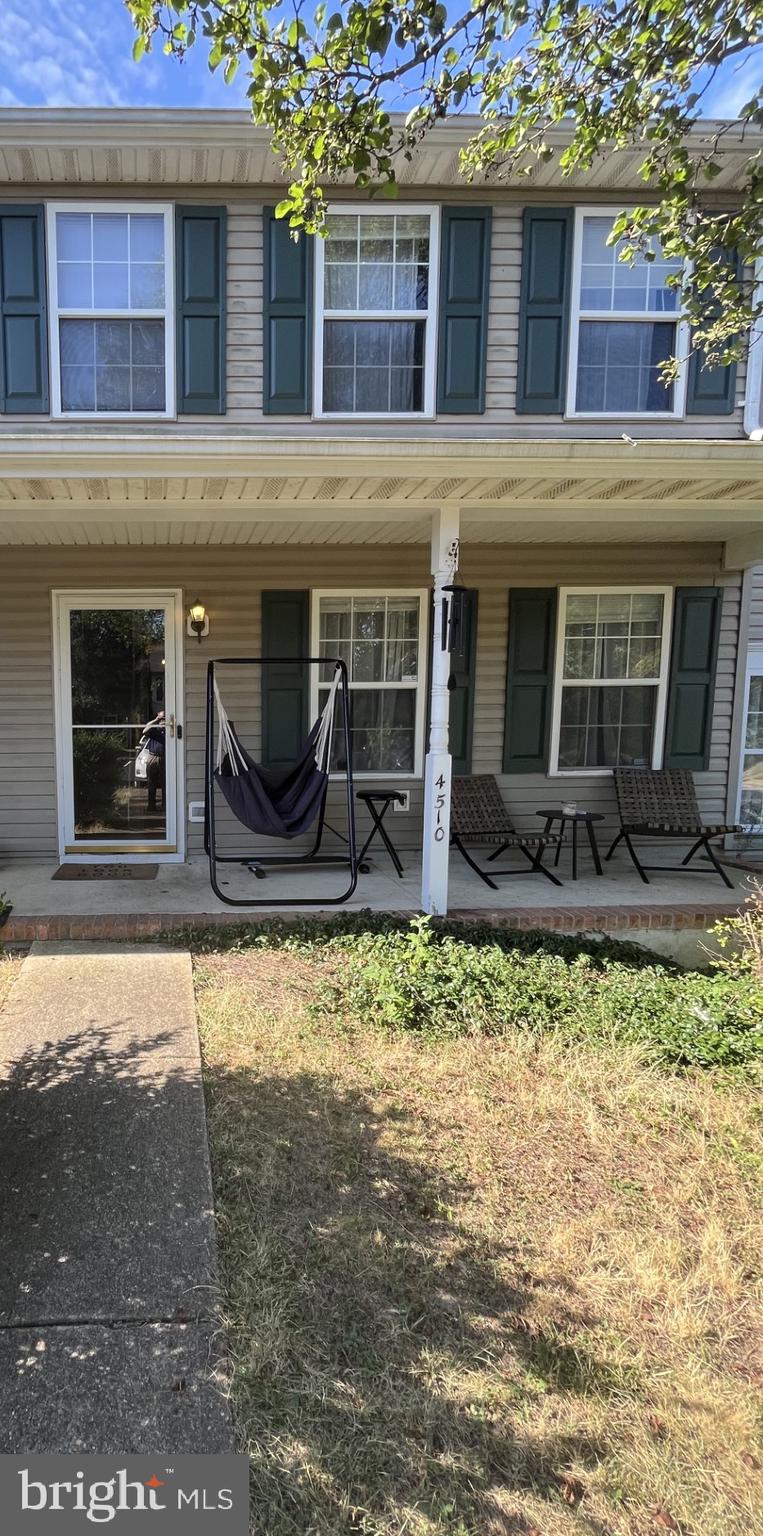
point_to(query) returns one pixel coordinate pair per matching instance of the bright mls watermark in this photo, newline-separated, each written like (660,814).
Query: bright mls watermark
(172,1495)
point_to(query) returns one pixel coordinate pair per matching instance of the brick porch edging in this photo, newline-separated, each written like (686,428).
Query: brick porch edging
(24,930)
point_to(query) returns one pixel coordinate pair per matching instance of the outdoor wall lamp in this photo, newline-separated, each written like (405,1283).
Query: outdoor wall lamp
(198,621)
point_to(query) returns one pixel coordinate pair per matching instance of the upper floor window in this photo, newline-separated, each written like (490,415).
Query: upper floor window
(626,323)
(111,309)
(375,301)
(611,678)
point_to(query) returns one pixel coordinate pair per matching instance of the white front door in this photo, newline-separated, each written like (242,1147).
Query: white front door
(118,724)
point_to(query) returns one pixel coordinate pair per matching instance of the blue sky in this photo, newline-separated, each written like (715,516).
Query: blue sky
(78,53)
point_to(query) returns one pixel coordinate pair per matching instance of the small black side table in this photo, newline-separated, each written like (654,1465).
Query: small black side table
(384,798)
(575,817)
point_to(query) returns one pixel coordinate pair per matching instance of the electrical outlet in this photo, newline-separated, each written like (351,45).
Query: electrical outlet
(399,806)
(195,810)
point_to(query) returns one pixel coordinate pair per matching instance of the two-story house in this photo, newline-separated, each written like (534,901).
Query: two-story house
(195,409)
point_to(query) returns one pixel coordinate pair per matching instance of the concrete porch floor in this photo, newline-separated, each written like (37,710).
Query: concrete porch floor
(616,901)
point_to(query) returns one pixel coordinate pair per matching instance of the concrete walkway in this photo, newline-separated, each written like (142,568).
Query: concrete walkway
(110,1338)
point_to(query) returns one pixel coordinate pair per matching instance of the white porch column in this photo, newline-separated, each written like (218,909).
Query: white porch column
(436,837)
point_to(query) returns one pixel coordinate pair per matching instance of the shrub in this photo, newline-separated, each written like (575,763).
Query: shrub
(423,979)
(741,939)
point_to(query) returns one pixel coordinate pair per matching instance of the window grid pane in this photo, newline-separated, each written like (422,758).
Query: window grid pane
(611,658)
(619,360)
(373,365)
(376,271)
(607,283)
(112,365)
(110,260)
(619,366)
(378,639)
(608,727)
(613,635)
(377,263)
(111,263)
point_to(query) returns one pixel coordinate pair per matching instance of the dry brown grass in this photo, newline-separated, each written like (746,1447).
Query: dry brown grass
(10,966)
(481,1288)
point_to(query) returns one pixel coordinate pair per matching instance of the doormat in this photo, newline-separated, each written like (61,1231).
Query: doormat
(106,872)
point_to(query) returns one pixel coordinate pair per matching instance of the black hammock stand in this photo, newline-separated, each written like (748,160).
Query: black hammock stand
(278,804)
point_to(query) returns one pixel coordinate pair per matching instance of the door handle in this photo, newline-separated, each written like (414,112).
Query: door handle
(171,724)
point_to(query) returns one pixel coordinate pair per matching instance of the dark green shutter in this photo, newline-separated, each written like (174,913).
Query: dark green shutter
(544,310)
(694,653)
(23,311)
(464,295)
(711,391)
(461,684)
(200,263)
(287,338)
(285,684)
(529,679)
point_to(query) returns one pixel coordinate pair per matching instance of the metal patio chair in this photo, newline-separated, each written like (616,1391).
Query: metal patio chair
(662,802)
(478,815)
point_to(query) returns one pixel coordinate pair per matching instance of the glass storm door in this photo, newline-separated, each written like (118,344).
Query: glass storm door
(118,727)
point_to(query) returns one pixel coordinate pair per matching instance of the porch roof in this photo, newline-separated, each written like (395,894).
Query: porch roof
(186,486)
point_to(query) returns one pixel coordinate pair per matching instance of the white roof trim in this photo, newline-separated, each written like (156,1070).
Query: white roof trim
(42,145)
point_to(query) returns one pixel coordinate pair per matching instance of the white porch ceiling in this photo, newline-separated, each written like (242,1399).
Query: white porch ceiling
(237,491)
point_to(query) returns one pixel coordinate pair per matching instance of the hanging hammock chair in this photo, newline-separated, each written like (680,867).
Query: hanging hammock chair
(282,805)
(279,805)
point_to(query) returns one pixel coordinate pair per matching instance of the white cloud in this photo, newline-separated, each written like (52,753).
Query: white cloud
(79,53)
(63,58)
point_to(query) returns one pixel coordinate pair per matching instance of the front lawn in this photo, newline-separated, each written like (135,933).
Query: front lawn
(10,965)
(479,1284)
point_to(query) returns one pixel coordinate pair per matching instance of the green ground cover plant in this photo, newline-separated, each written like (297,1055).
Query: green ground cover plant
(422,979)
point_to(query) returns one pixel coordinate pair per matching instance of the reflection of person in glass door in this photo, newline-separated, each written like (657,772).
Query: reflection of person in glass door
(154,739)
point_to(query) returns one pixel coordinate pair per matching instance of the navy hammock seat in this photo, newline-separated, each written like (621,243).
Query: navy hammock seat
(280,805)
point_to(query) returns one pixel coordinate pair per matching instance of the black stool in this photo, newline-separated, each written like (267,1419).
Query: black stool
(576,818)
(383,798)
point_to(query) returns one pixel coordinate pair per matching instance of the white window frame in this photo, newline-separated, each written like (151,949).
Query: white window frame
(420,685)
(754,668)
(429,315)
(660,714)
(644,317)
(167,313)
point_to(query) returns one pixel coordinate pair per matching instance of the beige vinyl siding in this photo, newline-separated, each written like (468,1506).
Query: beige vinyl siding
(244,313)
(755,632)
(245,329)
(229,582)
